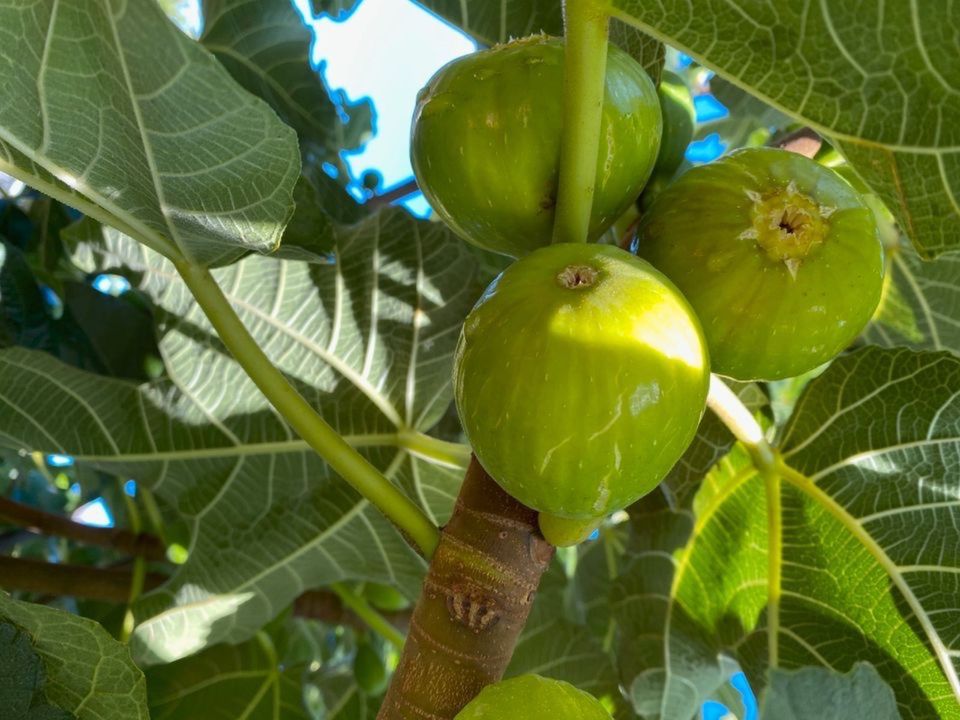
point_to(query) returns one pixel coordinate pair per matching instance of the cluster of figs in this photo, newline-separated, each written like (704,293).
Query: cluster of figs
(582,373)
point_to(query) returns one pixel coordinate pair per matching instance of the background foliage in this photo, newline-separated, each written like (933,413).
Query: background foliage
(836,584)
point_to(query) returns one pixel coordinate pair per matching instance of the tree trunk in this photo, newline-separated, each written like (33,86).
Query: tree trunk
(475,601)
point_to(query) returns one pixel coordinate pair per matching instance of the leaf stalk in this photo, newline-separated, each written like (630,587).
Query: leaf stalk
(370,617)
(584,74)
(330,445)
(740,421)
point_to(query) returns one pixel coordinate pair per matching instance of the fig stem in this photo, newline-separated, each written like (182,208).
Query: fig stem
(139,570)
(371,618)
(327,442)
(584,74)
(740,421)
(439,452)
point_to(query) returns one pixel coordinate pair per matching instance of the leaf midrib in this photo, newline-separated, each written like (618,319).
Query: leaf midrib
(629,19)
(815,493)
(850,523)
(144,138)
(747,473)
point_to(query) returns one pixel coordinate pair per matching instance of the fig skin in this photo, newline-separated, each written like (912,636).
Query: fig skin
(779,256)
(485,144)
(580,378)
(532,697)
(679,124)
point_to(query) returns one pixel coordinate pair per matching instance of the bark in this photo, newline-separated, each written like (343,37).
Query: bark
(44,523)
(113,585)
(475,601)
(108,584)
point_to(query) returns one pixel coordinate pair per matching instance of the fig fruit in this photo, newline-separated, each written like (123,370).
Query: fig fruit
(779,256)
(485,143)
(580,378)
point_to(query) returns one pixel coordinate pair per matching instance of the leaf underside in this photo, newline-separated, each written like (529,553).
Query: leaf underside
(880,80)
(367,338)
(864,562)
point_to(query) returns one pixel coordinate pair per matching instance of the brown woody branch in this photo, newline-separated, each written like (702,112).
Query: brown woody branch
(82,581)
(45,523)
(113,585)
(475,601)
(391,196)
(804,141)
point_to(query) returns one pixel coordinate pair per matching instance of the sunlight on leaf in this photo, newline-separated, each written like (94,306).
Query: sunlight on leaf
(368,340)
(862,573)
(111,109)
(881,80)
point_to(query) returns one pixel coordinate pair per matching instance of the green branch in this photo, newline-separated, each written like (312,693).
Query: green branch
(373,620)
(584,73)
(343,458)
(139,570)
(740,421)
(440,452)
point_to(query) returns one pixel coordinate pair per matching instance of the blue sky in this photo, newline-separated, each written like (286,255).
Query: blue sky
(363,56)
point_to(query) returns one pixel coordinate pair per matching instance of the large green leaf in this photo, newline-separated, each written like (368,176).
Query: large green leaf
(265,46)
(921,303)
(322,204)
(879,79)
(27,320)
(367,339)
(293,669)
(564,635)
(846,554)
(646,50)
(344,700)
(111,109)
(229,682)
(712,441)
(24,318)
(497,21)
(22,678)
(816,693)
(88,673)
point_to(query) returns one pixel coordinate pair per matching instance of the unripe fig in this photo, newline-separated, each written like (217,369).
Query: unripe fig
(779,256)
(485,143)
(532,697)
(580,378)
